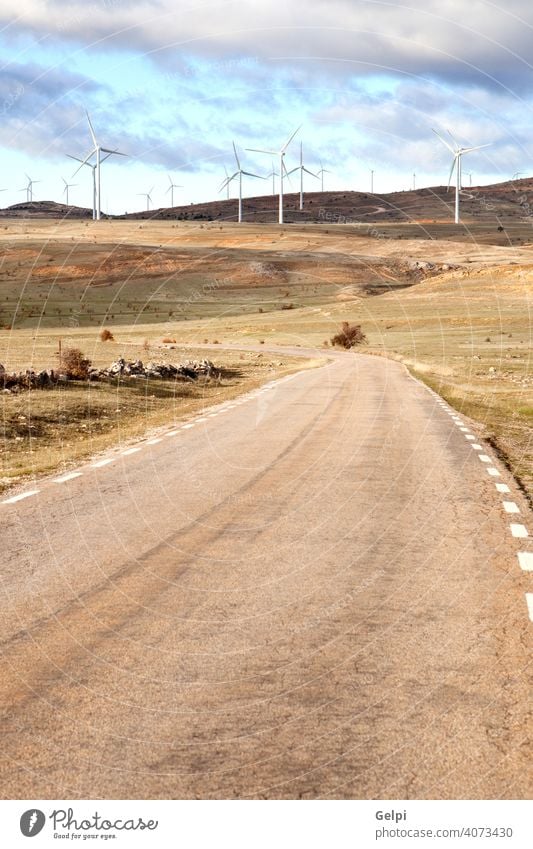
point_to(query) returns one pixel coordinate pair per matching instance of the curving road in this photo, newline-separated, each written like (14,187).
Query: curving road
(314,592)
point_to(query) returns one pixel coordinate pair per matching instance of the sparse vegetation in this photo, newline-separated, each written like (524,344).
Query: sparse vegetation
(349,336)
(75,364)
(106,335)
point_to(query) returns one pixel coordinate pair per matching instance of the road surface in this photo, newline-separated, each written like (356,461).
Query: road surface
(312,593)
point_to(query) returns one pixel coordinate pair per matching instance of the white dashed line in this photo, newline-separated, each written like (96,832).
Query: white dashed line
(519,530)
(15,498)
(68,477)
(529,602)
(469,436)
(494,472)
(186,427)
(464,429)
(100,463)
(130,451)
(153,441)
(511,507)
(172,433)
(502,487)
(525,559)
(476,447)
(484,458)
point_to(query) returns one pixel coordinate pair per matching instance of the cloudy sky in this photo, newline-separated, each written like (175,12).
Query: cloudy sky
(171,83)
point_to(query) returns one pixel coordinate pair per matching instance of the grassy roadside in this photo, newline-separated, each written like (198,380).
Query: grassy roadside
(506,426)
(50,430)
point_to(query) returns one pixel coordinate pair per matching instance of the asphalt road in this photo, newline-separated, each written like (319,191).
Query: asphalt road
(314,593)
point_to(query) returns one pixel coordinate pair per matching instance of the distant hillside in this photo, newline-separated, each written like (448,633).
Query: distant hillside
(511,202)
(45,209)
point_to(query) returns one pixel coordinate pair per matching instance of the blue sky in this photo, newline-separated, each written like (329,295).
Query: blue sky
(173,83)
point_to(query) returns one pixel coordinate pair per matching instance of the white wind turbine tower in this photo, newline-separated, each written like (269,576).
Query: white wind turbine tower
(458,152)
(148,196)
(97,151)
(67,187)
(29,188)
(301,168)
(171,189)
(273,174)
(239,173)
(93,168)
(321,173)
(282,169)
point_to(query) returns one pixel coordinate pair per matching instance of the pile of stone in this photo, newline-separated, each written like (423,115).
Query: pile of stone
(29,379)
(13,382)
(189,370)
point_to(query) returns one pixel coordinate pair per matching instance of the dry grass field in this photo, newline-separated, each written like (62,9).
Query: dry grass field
(453,303)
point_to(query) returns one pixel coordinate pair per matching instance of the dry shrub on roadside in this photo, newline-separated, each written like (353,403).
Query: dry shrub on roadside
(349,336)
(75,364)
(168,341)
(106,335)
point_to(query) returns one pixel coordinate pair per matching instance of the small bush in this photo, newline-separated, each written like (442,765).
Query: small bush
(287,307)
(349,336)
(106,335)
(74,364)
(168,341)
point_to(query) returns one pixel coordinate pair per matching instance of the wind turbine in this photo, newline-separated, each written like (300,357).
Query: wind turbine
(458,152)
(371,182)
(321,172)
(29,189)
(97,151)
(273,174)
(171,189)
(239,173)
(67,187)
(414,181)
(226,182)
(93,168)
(282,169)
(148,196)
(301,168)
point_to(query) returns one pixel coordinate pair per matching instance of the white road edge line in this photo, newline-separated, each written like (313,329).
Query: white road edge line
(15,498)
(100,463)
(529,602)
(519,531)
(130,451)
(511,507)
(502,487)
(186,427)
(153,441)
(494,472)
(468,436)
(525,559)
(484,458)
(68,477)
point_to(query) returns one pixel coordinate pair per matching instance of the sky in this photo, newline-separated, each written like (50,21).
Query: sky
(173,83)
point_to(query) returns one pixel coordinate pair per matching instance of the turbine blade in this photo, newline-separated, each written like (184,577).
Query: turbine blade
(287,143)
(454,163)
(307,171)
(256,150)
(477,147)
(84,162)
(114,152)
(236,157)
(249,174)
(445,143)
(91,128)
